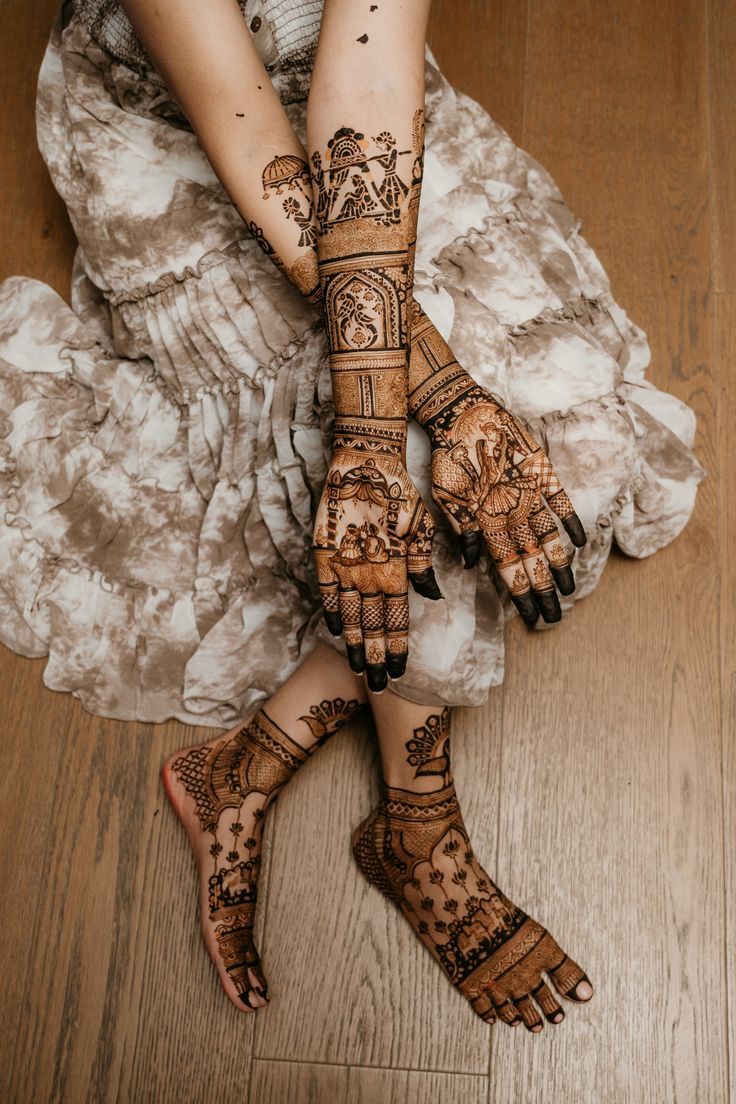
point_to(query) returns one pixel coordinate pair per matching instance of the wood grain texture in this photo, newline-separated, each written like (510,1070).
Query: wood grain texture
(301,1083)
(597,786)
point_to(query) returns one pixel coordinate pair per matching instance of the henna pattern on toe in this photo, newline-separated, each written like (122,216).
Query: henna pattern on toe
(232,783)
(416,850)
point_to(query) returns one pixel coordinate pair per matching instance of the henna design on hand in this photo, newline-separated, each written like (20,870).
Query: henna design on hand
(416,850)
(489,475)
(373,533)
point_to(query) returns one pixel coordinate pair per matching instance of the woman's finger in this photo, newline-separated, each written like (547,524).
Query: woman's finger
(544,527)
(465,527)
(549,484)
(396,609)
(540,577)
(349,604)
(508,563)
(372,622)
(419,558)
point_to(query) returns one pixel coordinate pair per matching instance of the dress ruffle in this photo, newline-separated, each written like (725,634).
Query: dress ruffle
(164,440)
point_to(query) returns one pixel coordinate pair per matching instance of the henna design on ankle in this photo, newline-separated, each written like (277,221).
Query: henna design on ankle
(416,850)
(373,533)
(429,747)
(329,717)
(244,774)
(489,475)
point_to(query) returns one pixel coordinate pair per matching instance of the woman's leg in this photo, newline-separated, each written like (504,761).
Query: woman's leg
(415,848)
(221,791)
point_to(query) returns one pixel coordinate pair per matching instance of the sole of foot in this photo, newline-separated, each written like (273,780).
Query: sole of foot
(199,842)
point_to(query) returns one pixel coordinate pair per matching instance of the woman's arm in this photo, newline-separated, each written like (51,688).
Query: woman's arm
(212,68)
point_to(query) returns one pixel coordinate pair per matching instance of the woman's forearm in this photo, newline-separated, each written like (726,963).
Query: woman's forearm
(212,68)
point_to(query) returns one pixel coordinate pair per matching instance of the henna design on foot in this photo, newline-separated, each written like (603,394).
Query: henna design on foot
(429,747)
(231,783)
(415,849)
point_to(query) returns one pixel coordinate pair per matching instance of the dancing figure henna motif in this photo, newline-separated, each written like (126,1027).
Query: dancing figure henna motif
(232,782)
(373,533)
(416,850)
(489,476)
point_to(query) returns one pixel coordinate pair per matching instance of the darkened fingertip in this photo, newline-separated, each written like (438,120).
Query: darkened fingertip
(564,579)
(471,546)
(333,622)
(356,658)
(549,606)
(376,677)
(396,665)
(425,583)
(527,607)
(575,531)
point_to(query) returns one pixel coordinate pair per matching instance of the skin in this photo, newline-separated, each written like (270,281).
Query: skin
(212,68)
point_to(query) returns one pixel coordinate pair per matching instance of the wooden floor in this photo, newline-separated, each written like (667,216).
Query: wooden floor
(598,785)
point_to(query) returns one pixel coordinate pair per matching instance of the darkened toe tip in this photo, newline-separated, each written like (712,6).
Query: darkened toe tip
(376,676)
(356,658)
(334,623)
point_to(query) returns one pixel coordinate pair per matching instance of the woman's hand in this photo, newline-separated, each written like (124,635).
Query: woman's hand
(489,477)
(373,534)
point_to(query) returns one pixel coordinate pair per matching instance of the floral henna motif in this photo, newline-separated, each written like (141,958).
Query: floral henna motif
(232,784)
(415,849)
(373,533)
(489,476)
(329,717)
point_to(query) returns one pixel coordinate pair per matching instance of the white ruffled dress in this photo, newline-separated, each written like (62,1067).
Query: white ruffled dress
(164,440)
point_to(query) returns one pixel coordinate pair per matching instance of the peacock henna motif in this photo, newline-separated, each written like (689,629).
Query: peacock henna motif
(428,747)
(416,850)
(232,783)
(489,477)
(373,533)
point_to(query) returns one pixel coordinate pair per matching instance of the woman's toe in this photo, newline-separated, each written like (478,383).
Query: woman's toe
(549,1004)
(529,1015)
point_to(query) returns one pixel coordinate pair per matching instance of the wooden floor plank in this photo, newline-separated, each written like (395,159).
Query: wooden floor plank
(306,1083)
(725,343)
(722,140)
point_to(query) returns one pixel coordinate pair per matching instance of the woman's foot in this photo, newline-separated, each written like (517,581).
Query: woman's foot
(220,791)
(415,849)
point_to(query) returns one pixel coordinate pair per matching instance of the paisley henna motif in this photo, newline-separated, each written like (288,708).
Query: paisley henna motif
(489,476)
(373,533)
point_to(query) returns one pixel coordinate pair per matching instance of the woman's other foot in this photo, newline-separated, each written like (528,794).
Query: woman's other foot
(416,850)
(221,792)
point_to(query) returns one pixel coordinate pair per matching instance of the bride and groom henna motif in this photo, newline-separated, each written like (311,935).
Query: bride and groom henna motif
(232,783)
